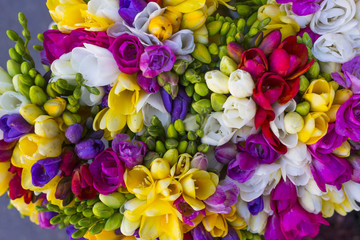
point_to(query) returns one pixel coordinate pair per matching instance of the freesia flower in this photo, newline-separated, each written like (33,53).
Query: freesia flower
(140,182)
(303,8)
(14,127)
(131,153)
(44,220)
(226,153)
(217,81)
(301,14)
(241,84)
(89,148)
(256,206)
(108,9)
(6,82)
(320,94)
(5,177)
(254,62)
(74,133)
(316,125)
(11,102)
(351,77)
(72,14)
(199,233)
(111,174)
(149,85)
(46,126)
(127,50)
(334,16)
(82,183)
(215,131)
(130,8)
(44,170)
(189,215)
(156,59)
(309,201)
(238,112)
(199,161)
(185,6)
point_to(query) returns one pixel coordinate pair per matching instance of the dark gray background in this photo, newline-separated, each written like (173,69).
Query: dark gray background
(12,226)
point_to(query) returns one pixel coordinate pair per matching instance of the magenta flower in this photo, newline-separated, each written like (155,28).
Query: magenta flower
(14,126)
(254,61)
(156,59)
(127,50)
(131,153)
(330,141)
(303,7)
(107,171)
(149,85)
(44,219)
(186,211)
(225,196)
(355,162)
(280,202)
(241,168)
(351,79)
(57,43)
(271,42)
(226,153)
(348,119)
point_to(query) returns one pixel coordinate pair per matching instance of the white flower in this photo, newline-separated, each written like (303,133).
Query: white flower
(264,180)
(90,99)
(105,8)
(243,133)
(150,105)
(295,165)
(62,67)
(239,112)
(352,191)
(142,19)
(190,123)
(330,67)
(310,202)
(215,131)
(181,43)
(303,21)
(11,102)
(212,162)
(333,47)
(5,82)
(334,16)
(217,82)
(255,223)
(241,84)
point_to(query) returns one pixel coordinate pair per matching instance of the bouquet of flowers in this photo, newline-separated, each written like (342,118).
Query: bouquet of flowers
(185,119)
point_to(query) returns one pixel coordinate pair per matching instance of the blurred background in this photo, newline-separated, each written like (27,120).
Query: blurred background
(12,226)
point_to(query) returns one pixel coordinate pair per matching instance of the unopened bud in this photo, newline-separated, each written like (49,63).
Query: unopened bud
(114,200)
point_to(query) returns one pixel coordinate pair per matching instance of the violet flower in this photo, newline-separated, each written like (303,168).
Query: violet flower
(225,196)
(241,169)
(256,205)
(127,50)
(44,219)
(231,235)
(156,59)
(199,233)
(149,85)
(178,108)
(226,153)
(200,161)
(43,171)
(132,153)
(186,211)
(107,171)
(89,148)
(351,79)
(70,230)
(167,100)
(74,132)
(121,137)
(130,8)
(330,141)
(303,7)
(14,126)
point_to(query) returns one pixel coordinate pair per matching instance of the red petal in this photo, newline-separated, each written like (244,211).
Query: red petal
(294,86)
(262,116)
(279,62)
(272,139)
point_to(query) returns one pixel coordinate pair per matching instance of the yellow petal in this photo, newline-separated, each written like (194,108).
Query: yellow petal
(115,121)
(135,122)
(5,177)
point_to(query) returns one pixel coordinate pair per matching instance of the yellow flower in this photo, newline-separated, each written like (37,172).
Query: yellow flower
(279,20)
(316,125)
(198,185)
(140,182)
(193,20)
(160,168)
(55,107)
(155,219)
(342,96)
(161,27)
(185,6)
(169,189)
(73,14)
(320,94)
(108,235)
(46,126)
(5,177)
(343,150)
(336,200)
(182,165)
(174,16)
(332,112)
(26,209)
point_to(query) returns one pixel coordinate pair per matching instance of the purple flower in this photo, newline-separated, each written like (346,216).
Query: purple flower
(149,85)
(14,126)
(44,170)
(226,153)
(121,137)
(167,100)
(351,79)
(273,230)
(355,162)
(89,148)
(225,196)
(156,59)
(232,234)
(131,153)
(199,233)
(242,168)
(303,7)
(256,205)
(127,50)
(57,43)
(330,141)
(74,132)
(348,119)
(187,212)
(329,169)
(130,8)
(44,219)
(70,230)
(200,161)
(281,202)
(107,171)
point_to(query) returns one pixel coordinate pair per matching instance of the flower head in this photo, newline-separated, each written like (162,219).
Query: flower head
(14,127)
(156,59)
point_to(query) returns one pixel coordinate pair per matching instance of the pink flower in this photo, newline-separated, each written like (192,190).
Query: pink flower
(156,59)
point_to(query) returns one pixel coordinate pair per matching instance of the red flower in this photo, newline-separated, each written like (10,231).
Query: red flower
(15,189)
(82,183)
(289,60)
(254,61)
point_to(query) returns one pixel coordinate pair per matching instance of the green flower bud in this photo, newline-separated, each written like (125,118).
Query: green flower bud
(25,67)
(201,89)
(200,132)
(214,27)
(14,55)
(61,225)
(172,90)
(303,108)
(232,31)
(69,118)
(102,211)
(24,89)
(223,51)
(189,90)
(201,53)
(87,212)
(230,39)
(203,148)
(12,35)
(13,68)
(171,143)
(150,143)
(73,108)
(55,107)
(225,29)
(253,32)
(326,76)
(40,81)
(335,85)
(213,49)
(203,106)
(79,233)
(22,19)
(97,228)
(30,112)
(38,48)
(171,131)
(191,136)
(313,71)
(192,76)
(26,33)
(191,148)
(26,80)
(160,147)
(239,37)
(40,208)
(304,83)
(113,200)
(228,65)
(180,66)
(171,156)
(263,23)
(113,222)
(250,21)
(155,131)
(80,208)
(179,126)
(240,25)
(196,97)
(91,202)
(75,218)
(85,222)
(77,92)
(150,157)
(182,147)
(33,72)
(244,10)
(72,100)
(70,211)
(57,219)
(37,96)
(20,48)
(217,101)
(210,19)
(50,91)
